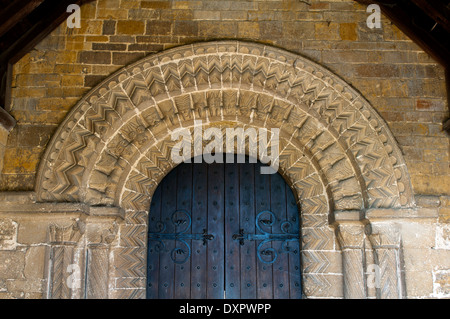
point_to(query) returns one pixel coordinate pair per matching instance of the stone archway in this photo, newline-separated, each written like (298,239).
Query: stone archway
(335,151)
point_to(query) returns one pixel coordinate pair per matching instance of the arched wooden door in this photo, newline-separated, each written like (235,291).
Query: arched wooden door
(223,231)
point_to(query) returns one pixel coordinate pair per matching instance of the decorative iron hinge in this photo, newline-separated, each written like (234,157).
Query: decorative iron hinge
(269,255)
(180,218)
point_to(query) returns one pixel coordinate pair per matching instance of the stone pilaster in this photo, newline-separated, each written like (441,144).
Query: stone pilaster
(386,242)
(97,271)
(101,233)
(64,274)
(350,235)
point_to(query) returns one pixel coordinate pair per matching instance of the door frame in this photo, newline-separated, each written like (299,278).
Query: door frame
(336,153)
(192,191)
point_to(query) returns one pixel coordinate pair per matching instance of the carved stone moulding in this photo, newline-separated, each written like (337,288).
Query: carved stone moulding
(67,235)
(335,151)
(78,264)
(121,129)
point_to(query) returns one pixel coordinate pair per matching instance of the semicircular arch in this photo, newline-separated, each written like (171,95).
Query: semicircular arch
(114,146)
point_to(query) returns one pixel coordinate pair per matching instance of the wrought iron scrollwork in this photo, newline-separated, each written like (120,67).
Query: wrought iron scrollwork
(269,255)
(181,220)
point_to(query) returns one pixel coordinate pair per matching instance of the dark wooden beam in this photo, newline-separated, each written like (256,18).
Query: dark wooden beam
(15,12)
(28,30)
(5,85)
(35,27)
(417,25)
(446,124)
(6,120)
(437,10)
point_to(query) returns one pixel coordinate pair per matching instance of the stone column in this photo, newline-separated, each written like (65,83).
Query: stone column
(97,271)
(350,235)
(100,234)
(64,274)
(386,242)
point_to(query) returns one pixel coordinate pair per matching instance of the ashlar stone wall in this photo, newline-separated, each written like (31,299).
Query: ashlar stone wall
(409,240)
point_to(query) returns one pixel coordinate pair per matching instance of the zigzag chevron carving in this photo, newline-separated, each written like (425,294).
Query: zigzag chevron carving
(335,151)
(252,85)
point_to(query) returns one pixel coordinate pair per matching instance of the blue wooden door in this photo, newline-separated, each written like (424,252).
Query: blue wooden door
(223,231)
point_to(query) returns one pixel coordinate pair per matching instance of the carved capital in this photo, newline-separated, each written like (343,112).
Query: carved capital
(66,235)
(384,235)
(108,235)
(350,235)
(102,233)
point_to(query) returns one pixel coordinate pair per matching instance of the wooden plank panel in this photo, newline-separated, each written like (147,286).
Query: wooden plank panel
(15,12)
(262,203)
(295,288)
(184,195)
(222,198)
(281,265)
(199,222)
(232,261)
(437,10)
(215,267)
(168,207)
(153,253)
(247,222)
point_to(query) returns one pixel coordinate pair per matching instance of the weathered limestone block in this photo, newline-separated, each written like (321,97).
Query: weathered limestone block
(35,260)
(25,286)
(443,236)
(12,264)
(8,234)
(441,284)
(32,230)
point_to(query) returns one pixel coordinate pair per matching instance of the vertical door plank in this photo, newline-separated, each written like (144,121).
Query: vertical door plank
(281,265)
(222,198)
(168,207)
(247,222)
(295,288)
(232,263)
(184,196)
(215,267)
(199,222)
(153,252)
(262,203)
